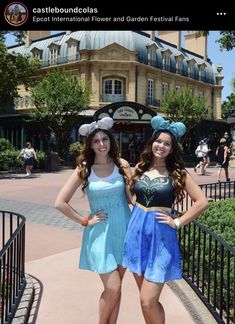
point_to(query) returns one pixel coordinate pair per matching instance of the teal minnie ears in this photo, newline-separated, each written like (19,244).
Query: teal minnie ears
(177,129)
(104,123)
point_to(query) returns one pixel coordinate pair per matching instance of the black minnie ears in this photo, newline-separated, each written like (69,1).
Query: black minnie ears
(104,123)
(177,129)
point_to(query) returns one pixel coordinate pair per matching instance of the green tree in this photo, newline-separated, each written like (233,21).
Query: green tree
(226,40)
(59,99)
(15,70)
(182,105)
(228,105)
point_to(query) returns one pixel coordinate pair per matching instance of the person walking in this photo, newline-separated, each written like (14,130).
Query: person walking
(201,152)
(222,153)
(105,179)
(29,156)
(151,248)
(207,150)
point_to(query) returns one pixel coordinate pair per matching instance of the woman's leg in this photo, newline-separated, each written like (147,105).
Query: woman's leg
(218,173)
(149,298)
(115,312)
(30,168)
(27,169)
(111,296)
(226,174)
(139,282)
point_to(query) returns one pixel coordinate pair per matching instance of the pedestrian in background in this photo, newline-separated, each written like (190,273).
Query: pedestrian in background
(29,155)
(222,153)
(201,152)
(207,150)
(151,249)
(104,176)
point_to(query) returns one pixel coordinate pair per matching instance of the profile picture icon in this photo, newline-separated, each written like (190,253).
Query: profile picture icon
(16,13)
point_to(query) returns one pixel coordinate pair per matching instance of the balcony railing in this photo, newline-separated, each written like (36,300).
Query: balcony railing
(61,60)
(12,260)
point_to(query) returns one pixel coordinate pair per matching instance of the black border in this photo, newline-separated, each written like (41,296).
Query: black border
(194,16)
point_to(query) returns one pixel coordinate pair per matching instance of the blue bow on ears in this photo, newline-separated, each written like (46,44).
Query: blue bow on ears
(177,129)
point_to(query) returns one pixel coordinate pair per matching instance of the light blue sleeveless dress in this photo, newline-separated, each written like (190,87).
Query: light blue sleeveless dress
(102,245)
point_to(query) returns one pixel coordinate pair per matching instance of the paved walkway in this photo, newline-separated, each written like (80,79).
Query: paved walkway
(65,294)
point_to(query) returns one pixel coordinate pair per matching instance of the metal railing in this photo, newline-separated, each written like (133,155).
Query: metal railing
(209,268)
(208,262)
(213,191)
(12,264)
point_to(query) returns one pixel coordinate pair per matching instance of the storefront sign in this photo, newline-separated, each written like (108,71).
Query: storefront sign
(125,112)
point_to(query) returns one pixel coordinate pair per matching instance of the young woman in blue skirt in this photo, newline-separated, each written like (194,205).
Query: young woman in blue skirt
(151,248)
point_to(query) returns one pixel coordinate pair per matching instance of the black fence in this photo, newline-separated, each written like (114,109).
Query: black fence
(12,261)
(213,191)
(209,262)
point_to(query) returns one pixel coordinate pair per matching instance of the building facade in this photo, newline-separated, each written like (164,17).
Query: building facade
(129,73)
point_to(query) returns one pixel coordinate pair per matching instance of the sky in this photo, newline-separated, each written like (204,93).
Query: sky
(218,57)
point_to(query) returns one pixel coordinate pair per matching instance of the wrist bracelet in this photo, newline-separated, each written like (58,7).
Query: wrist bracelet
(85,221)
(177,223)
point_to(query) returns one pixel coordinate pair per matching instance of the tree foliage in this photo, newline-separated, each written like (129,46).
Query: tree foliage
(181,105)
(226,40)
(15,70)
(59,99)
(228,105)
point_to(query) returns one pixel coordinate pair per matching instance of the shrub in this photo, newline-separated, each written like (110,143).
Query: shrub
(75,148)
(8,155)
(40,164)
(74,151)
(220,219)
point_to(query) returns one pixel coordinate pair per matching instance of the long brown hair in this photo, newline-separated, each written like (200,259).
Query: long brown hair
(87,157)
(174,165)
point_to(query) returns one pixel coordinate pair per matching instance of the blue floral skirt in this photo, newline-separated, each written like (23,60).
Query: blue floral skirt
(151,248)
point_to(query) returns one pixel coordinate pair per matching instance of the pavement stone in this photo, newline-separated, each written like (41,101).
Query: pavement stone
(40,214)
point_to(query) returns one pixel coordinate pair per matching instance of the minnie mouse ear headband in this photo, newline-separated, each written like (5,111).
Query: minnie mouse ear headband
(104,123)
(177,129)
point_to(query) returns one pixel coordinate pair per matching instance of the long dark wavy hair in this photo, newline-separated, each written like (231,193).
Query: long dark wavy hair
(174,164)
(87,157)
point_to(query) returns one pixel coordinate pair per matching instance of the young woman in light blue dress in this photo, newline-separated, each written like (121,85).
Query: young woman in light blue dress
(104,177)
(151,249)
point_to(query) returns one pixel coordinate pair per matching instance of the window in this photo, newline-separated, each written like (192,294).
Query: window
(53,56)
(112,87)
(152,57)
(179,66)
(112,90)
(37,53)
(150,91)
(166,62)
(165,88)
(152,54)
(73,50)
(202,74)
(117,87)
(191,70)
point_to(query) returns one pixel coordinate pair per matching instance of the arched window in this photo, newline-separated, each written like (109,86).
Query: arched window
(166,59)
(112,90)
